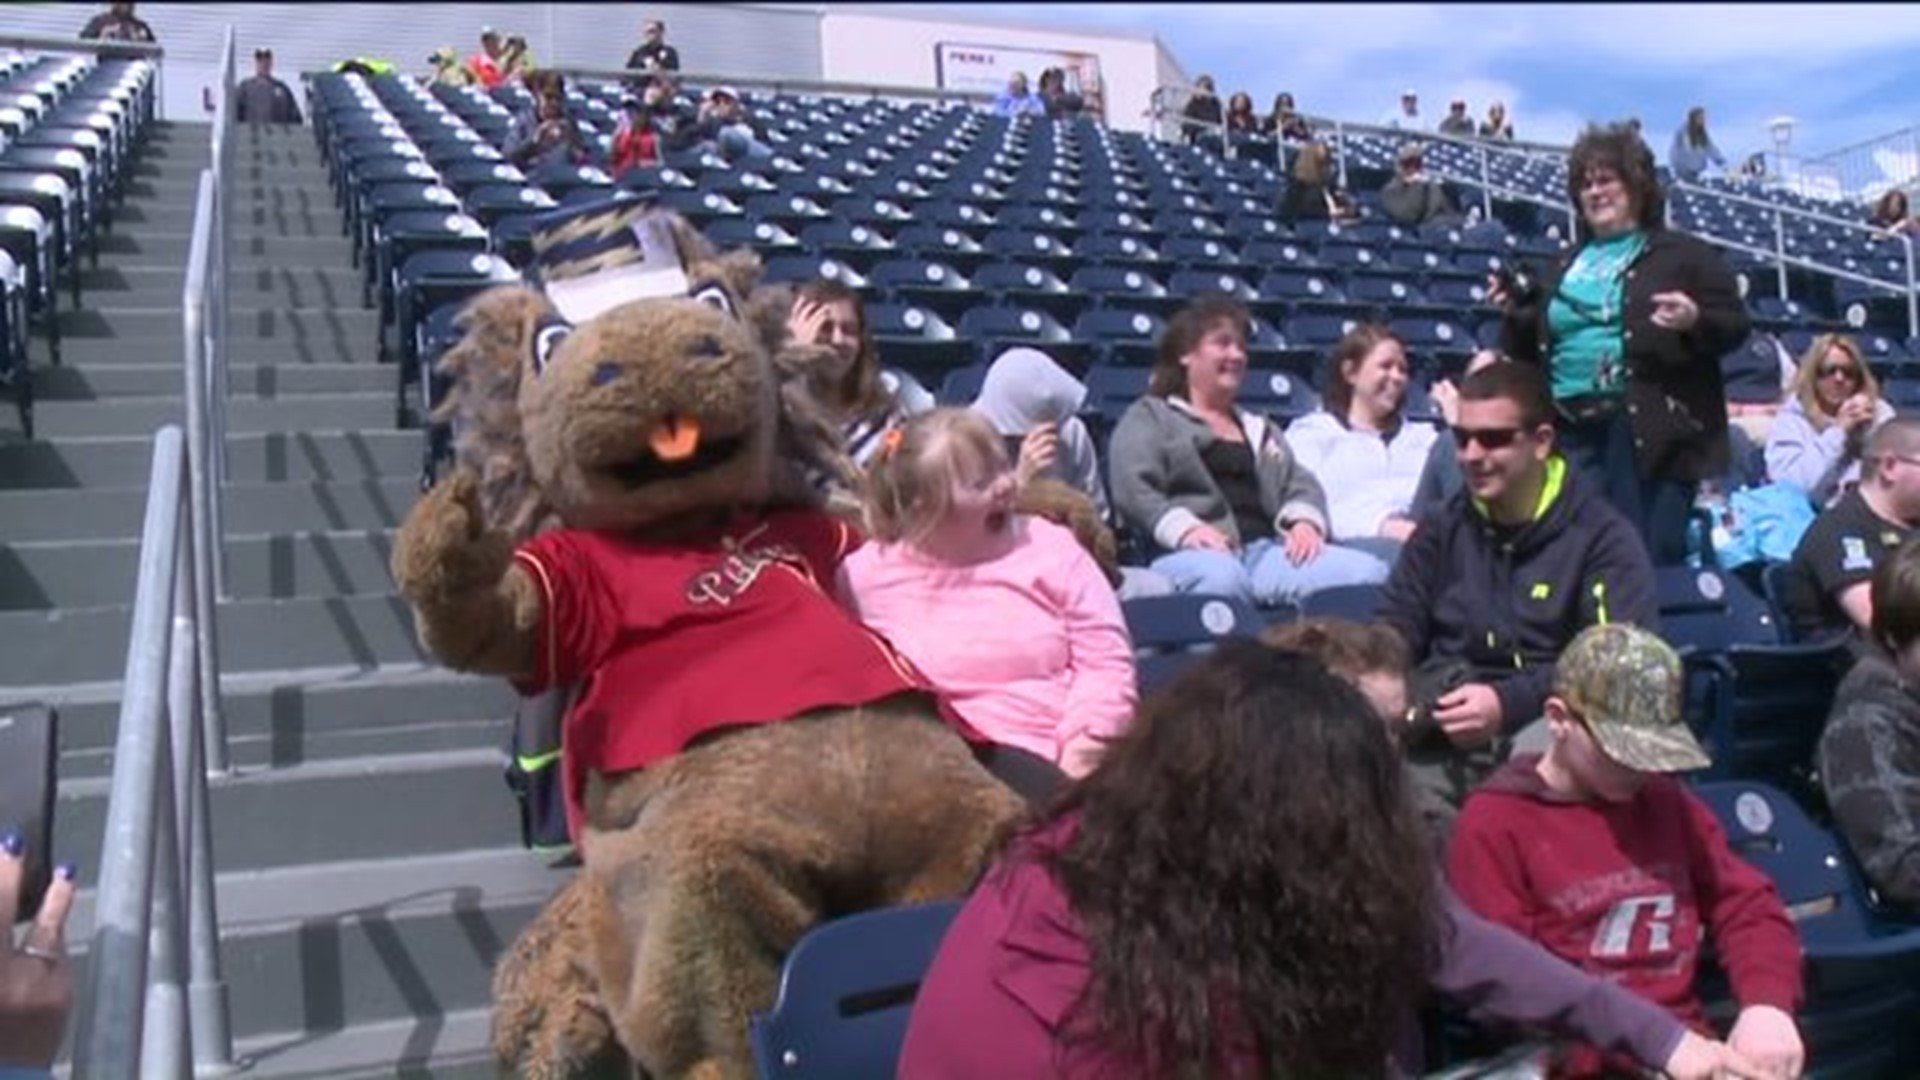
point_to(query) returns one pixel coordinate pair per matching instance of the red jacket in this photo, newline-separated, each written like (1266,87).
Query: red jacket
(1629,891)
(1015,962)
(677,639)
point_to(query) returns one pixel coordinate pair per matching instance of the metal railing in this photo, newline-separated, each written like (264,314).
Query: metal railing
(779,85)
(1862,167)
(156,1002)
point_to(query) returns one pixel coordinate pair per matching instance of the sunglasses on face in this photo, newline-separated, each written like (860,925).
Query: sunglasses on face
(1845,371)
(1488,438)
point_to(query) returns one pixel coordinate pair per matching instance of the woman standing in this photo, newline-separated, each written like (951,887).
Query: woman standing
(1817,437)
(1631,326)
(1693,148)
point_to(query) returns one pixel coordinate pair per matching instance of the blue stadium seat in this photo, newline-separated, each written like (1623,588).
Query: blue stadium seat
(1119,249)
(1205,252)
(917,340)
(997,328)
(1358,603)
(1128,337)
(1170,632)
(1187,284)
(846,991)
(1281,394)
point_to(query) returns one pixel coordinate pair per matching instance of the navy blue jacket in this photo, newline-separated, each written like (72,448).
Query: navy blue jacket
(1507,599)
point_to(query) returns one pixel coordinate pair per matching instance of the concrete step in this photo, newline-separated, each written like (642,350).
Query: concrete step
(97,382)
(287,713)
(316,952)
(170,248)
(158,286)
(137,416)
(389,806)
(451,1046)
(299,457)
(307,340)
(100,573)
(116,513)
(48,650)
(140,332)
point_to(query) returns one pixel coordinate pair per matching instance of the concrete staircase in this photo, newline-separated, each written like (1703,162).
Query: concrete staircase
(369,867)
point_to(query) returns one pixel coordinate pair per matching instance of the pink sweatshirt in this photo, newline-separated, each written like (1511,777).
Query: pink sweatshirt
(1029,648)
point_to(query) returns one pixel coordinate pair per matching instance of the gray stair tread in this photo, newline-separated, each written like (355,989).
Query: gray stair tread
(97,382)
(117,513)
(144,415)
(449,1046)
(300,457)
(73,574)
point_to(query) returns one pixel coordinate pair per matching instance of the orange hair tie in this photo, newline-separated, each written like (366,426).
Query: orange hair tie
(890,442)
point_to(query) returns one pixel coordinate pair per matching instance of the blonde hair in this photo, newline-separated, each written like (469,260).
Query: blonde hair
(910,482)
(1808,377)
(1314,165)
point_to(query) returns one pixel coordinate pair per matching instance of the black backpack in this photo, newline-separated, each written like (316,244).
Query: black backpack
(534,772)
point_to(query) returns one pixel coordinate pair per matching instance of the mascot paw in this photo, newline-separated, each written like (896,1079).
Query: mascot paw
(1065,506)
(445,547)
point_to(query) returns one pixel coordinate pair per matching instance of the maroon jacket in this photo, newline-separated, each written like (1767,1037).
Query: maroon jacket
(1015,962)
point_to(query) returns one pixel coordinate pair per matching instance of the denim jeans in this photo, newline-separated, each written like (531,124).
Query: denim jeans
(1602,452)
(1262,574)
(737,141)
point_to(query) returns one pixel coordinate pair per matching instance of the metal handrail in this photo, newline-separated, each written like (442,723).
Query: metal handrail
(156,1005)
(784,85)
(211,445)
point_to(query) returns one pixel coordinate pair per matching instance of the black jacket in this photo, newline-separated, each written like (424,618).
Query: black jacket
(1675,393)
(1507,599)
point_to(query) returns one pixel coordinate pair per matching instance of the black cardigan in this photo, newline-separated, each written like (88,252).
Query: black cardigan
(1676,397)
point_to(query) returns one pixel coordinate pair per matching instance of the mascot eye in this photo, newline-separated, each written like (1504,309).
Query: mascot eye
(714,297)
(545,341)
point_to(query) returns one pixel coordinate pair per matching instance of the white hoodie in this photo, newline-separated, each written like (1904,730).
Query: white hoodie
(1368,477)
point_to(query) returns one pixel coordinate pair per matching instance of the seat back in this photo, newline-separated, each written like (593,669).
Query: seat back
(846,992)
(1170,631)
(1358,603)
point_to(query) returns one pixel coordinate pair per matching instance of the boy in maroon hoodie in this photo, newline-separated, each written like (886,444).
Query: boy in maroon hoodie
(1594,851)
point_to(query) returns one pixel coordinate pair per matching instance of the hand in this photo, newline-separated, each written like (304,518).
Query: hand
(1856,414)
(1768,1038)
(1675,311)
(1305,542)
(1446,398)
(1470,715)
(806,321)
(1205,538)
(36,981)
(1397,527)
(1497,295)
(1700,1058)
(1038,452)
(446,548)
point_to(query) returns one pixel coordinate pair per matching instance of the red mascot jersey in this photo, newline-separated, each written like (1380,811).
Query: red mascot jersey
(671,640)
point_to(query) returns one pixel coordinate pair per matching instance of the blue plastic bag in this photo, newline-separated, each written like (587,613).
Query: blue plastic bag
(1766,525)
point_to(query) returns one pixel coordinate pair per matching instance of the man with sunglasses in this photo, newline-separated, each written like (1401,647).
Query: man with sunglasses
(1501,577)
(1827,592)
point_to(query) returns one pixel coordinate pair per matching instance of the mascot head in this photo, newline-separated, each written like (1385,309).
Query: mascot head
(647,384)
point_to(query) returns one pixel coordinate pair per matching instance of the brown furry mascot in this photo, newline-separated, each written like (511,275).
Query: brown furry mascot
(744,759)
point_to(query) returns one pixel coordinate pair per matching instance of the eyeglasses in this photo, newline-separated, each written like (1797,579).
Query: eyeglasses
(1599,180)
(1907,458)
(1845,371)
(1488,438)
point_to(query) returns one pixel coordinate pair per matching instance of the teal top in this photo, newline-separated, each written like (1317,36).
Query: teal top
(1587,320)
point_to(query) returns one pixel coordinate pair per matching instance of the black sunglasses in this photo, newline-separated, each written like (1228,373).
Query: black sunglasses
(1488,438)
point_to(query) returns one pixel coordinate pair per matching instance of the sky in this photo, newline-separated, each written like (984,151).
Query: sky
(1843,71)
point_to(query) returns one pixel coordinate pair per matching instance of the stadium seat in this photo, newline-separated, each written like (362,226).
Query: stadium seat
(1170,631)
(1358,603)
(846,992)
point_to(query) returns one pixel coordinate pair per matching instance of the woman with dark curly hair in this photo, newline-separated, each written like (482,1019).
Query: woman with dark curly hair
(1630,326)
(1241,888)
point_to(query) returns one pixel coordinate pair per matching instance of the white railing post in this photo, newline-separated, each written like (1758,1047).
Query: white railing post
(202,489)
(1780,251)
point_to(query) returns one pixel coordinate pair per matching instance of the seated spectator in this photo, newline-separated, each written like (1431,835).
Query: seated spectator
(635,144)
(1870,751)
(1361,446)
(1693,149)
(1890,212)
(1007,615)
(653,53)
(1457,123)
(555,139)
(1816,439)
(1414,199)
(1240,116)
(1202,116)
(516,60)
(447,68)
(1285,121)
(1494,584)
(1827,591)
(1594,850)
(1406,117)
(653,123)
(1017,100)
(729,128)
(1061,103)
(264,99)
(118,23)
(1215,486)
(1312,192)
(484,66)
(847,379)
(1106,941)
(1496,125)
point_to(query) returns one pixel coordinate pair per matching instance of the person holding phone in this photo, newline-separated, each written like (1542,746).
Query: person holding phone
(1630,327)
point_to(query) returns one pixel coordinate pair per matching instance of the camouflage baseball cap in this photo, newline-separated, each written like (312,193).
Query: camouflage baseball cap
(1625,683)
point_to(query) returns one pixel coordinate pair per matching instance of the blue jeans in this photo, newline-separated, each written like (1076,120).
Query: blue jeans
(1261,573)
(1602,452)
(737,141)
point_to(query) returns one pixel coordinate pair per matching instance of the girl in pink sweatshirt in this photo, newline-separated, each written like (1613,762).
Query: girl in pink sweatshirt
(1006,614)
